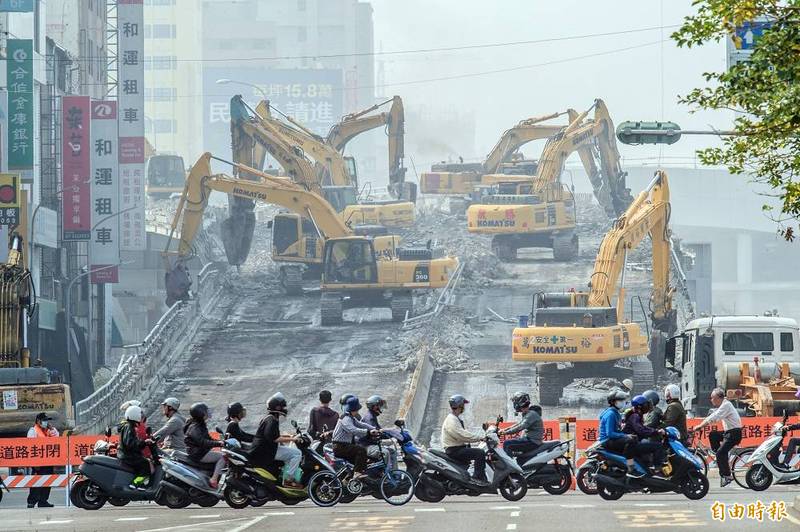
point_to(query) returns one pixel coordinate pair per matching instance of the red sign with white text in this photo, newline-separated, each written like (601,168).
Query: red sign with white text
(76,195)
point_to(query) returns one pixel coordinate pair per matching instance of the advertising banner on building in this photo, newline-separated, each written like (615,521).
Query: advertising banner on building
(104,252)
(9,199)
(19,73)
(75,169)
(130,117)
(312,97)
(16,6)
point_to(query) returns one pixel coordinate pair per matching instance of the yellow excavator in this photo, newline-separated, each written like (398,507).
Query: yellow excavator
(541,212)
(26,388)
(583,334)
(460,180)
(354,124)
(355,272)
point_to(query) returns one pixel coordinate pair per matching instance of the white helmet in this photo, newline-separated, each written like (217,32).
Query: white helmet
(127,404)
(672,391)
(172,402)
(628,384)
(133,413)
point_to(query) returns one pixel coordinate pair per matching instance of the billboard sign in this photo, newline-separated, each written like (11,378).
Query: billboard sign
(19,73)
(104,251)
(130,117)
(75,169)
(313,97)
(16,6)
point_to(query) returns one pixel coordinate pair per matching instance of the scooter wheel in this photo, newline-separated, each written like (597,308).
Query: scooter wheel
(206,501)
(235,498)
(696,486)
(514,487)
(563,484)
(90,496)
(609,493)
(758,478)
(257,503)
(585,479)
(429,491)
(116,501)
(174,501)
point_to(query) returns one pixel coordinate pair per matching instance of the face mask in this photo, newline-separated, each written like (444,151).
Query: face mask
(619,404)
(44,424)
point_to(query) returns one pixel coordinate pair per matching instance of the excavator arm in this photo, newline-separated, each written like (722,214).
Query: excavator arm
(647,215)
(275,190)
(512,139)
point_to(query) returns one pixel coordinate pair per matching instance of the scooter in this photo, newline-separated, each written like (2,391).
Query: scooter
(445,476)
(683,473)
(102,477)
(197,475)
(766,467)
(548,467)
(584,478)
(250,485)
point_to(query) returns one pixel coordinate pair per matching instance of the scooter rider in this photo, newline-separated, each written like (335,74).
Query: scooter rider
(531,423)
(130,447)
(675,414)
(236,413)
(456,439)
(199,445)
(375,406)
(267,442)
(655,417)
(348,430)
(171,433)
(611,435)
(723,441)
(649,439)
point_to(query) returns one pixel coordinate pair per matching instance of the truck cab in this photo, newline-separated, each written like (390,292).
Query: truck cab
(709,351)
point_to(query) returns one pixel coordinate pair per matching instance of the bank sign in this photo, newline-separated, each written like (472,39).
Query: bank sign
(312,97)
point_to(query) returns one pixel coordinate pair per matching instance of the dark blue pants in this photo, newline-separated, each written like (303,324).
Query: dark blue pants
(646,447)
(519,446)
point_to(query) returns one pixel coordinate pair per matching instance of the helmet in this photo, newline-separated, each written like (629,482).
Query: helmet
(640,400)
(672,391)
(133,413)
(343,399)
(235,410)
(352,404)
(133,402)
(627,383)
(172,402)
(457,401)
(199,411)
(651,396)
(277,404)
(376,400)
(616,395)
(673,433)
(520,400)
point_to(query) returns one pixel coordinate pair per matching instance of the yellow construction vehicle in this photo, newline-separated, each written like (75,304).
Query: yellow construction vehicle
(166,175)
(355,271)
(26,387)
(354,124)
(458,180)
(545,216)
(582,334)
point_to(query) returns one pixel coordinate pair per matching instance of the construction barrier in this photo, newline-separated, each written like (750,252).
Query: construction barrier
(37,481)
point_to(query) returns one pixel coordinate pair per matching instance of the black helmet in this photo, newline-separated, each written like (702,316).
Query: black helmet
(277,404)
(199,411)
(616,395)
(520,400)
(376,400)
(651,396)
(235,410)
(343,399)
(352,404)
(457,401)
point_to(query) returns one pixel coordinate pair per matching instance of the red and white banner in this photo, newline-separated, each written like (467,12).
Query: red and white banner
(36,481)
(104,247)
(130,94)
(76,167)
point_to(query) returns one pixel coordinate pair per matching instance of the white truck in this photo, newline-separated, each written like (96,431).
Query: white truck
(710,353)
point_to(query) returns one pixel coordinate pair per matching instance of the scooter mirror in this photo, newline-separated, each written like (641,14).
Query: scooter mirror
(219,430)
(399,423)
(294,423)
(108,432)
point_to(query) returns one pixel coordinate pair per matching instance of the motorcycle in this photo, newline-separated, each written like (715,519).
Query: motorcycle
(445,476)
(250,485)
(584,478)
(102,477)
(766,467)
(683,473)
(196,482)
(548,467)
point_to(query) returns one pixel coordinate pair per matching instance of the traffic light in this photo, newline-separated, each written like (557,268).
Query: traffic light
(648,132)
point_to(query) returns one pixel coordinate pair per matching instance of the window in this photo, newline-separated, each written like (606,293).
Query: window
(301,5)
(748,341)
(787,342)
(301,33)
(161,62)
(227,44)
(162,31)
(164,126)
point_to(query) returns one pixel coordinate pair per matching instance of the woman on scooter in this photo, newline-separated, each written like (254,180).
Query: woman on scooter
(131,446)
(199,444)
(236,413)
(649,439)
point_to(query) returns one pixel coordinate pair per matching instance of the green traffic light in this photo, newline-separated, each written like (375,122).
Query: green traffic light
(648,132)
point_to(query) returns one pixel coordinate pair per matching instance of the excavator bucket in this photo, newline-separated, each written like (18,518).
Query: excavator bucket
(237,236)
(177,283)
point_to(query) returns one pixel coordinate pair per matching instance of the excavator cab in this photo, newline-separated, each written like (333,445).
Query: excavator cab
(340,197)
(350,260)
(352,170)
(293,236)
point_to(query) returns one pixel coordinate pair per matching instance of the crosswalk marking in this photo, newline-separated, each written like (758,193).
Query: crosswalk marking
(56,522)
(210,516)
(132,519)
(429,509)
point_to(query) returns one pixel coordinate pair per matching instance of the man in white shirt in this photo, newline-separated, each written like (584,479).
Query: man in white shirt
(456,439)
(729,437)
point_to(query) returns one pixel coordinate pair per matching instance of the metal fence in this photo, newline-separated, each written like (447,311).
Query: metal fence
(141,373)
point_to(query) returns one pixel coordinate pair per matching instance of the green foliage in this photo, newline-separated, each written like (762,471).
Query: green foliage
(765,90)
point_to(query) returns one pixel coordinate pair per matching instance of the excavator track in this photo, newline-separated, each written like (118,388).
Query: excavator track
(330,308)
(549,381)
(565,247)
(643,376)
(401,303)
(292,279)
(503,249)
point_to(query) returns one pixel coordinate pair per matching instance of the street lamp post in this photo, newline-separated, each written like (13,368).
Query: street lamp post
(225,81)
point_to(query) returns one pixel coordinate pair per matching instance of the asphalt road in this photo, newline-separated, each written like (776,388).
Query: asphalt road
(538,511)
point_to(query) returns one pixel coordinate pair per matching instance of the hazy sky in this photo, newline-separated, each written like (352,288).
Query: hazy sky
(629,81)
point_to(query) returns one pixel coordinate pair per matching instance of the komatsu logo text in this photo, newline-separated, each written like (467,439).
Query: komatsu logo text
(250,194)
(496,223)
(554,349)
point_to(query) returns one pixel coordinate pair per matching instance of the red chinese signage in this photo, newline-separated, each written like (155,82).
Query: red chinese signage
(76,168)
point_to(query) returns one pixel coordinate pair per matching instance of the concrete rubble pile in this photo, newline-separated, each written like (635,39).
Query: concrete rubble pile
(446,338)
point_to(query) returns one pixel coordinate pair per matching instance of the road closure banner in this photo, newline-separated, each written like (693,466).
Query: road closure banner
(33,452)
